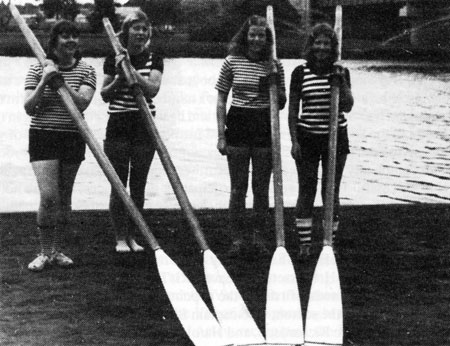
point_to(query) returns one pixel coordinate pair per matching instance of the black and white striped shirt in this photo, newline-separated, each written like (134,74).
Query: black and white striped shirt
(248,81)
(315,91)
(51,114)
(144,63)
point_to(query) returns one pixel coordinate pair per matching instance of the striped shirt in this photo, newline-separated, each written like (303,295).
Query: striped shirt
(144,63)
(51,114)
(315,91)
(248,80)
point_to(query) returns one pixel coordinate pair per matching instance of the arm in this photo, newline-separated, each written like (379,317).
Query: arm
(294,108)
(83,97)
(110,86)
(221,111)
(33,96)
(295,96)
(150,86)
(345,92)
(281,86)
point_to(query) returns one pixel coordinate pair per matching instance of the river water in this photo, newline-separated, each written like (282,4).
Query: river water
(398,128)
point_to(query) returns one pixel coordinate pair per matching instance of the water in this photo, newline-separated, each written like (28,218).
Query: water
(398,134)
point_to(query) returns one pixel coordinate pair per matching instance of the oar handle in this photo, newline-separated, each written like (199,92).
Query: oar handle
(163,153)
(332,141)
(331,172)
(338,29)
(88,136)
(29,35)
(118,49)
(275,133)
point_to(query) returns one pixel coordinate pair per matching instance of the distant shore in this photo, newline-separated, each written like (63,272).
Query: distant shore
(97,45)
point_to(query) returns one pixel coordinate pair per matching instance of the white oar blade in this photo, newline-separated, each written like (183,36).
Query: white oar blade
(197,320)
(233,315)
(324,316)
(284,321)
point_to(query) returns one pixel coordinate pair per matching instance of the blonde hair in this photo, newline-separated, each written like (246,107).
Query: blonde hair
(136,16)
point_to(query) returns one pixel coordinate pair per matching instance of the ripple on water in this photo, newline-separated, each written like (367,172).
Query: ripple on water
(398,133)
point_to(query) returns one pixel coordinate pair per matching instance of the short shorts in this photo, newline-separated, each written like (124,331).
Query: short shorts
(313,145)
(67,147)
(248,127)
(127,127)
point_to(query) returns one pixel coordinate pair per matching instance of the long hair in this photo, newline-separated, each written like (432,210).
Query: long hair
(61,27)
(327,31)
(239,42)
(135,16)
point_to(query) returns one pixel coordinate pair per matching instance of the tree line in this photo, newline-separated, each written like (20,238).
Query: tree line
(207,20)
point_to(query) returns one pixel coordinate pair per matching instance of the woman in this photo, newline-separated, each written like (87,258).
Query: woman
(56,147)
(128,144)
(310,84)
(244,132)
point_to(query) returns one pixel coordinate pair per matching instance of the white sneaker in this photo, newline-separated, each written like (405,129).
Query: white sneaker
(62,260)
(135,246)
(122,246)
(39,263)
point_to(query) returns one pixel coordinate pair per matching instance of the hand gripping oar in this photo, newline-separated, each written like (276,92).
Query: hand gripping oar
(197,320)
(231,311)
(284,322)
(324,317)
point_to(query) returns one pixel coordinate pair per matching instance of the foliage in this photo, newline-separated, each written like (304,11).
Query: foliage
(5,17)
(67,9)
(103,8)
(226,16)
(162,12)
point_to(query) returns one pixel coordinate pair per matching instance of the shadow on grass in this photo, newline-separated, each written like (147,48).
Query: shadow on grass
(394,265)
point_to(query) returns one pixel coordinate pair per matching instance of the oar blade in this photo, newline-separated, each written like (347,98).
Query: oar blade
(284,321)
(324,317)
(230,308)
(197,320)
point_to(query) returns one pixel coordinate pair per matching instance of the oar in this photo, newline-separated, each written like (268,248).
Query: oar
(284,322)
(229,306)
(324,317)
(197,320)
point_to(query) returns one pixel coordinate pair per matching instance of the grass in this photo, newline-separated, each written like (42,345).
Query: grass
(393,261)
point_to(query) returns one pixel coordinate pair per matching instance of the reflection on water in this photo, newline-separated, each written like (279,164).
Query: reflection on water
(398,135)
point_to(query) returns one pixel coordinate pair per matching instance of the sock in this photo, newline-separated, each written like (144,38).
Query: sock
(304,230)
(46,238)
(57,235)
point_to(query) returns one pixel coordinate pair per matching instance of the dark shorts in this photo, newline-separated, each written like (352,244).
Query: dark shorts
(248,127)
(128,127)
(313,145)
(68,147)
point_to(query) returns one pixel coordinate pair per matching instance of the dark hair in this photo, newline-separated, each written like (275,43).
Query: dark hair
(135,16)
(239,43)
(61,27)
(319,30)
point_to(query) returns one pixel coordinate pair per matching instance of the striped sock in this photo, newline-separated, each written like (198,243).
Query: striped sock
(304,230)
(46,239)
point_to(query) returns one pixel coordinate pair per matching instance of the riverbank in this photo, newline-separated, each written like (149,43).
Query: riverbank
(97,45)
(393,261)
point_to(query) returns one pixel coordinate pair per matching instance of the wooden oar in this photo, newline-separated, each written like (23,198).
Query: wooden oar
(197,320)
(324,317)
(284,322)
(229,306)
